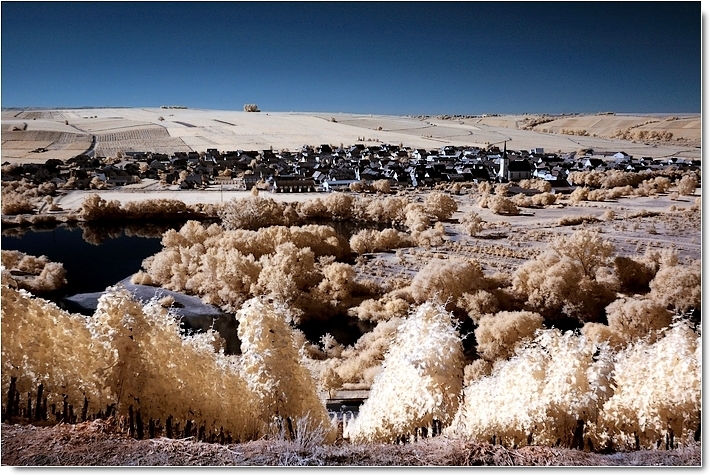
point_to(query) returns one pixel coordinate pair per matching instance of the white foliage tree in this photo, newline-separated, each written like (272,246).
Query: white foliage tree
(420,382)
(272,367)
(658,389)
(540,394)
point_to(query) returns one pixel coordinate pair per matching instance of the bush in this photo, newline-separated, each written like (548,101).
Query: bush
(634,319)
(251,108)
(385,308)
(416,219)
(382,186)
(575,220)
(687,185)
(362,361)
(439,205)
(536,184)
(16,203)
(472,223)
(370,240)
(441,281)
(498,335)
(501,205)
(253,212)
(41,275)
(677,287)
(414,389)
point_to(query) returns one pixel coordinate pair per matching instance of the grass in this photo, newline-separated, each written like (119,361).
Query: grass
(98,443)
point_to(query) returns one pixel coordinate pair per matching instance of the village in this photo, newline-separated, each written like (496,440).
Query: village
(326,168)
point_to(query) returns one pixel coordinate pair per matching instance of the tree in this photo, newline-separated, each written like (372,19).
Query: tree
(272,366)
(497,335)
(420,382)
(586,248)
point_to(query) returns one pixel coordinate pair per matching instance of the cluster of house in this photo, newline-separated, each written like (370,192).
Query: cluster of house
(325,168)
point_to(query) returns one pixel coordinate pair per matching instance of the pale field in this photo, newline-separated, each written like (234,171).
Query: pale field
(139,129)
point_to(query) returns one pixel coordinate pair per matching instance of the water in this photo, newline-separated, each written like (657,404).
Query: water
(90,267)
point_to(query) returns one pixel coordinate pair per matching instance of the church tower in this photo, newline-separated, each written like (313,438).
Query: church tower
(503,170)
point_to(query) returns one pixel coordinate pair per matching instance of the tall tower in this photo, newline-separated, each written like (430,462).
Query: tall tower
(503,170)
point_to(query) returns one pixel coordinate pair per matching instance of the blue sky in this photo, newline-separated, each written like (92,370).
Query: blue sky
(360,57)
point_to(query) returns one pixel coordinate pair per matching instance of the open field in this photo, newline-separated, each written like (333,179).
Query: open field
(141,129)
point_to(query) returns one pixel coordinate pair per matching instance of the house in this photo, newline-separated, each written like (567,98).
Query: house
(337,185)
(590,163)
(622,156)
(292,184)
(519,170)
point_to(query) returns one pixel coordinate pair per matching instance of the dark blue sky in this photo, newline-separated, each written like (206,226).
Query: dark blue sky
(380,58)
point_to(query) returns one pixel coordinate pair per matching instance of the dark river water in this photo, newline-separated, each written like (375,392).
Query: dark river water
(90,267)
(97,257)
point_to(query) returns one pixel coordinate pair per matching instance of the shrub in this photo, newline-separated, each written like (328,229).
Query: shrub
(362,361)
(338,281)
(41,275)
(253,212)
(579,194)
(478,303)
(416,219)
(339,206)
(476,370)
(370,240)
(382,186)
(357,186)
(440,205)
(497,335)
(286,274)
(385,308)
(251,108)
(544,199)
(634,318)
(16,203)
(415,388)
(95,208)
(472,223)
(433,237)
(536,184)
(501,205)
(687,185)
(677,287)
(575,220)
(443,280)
